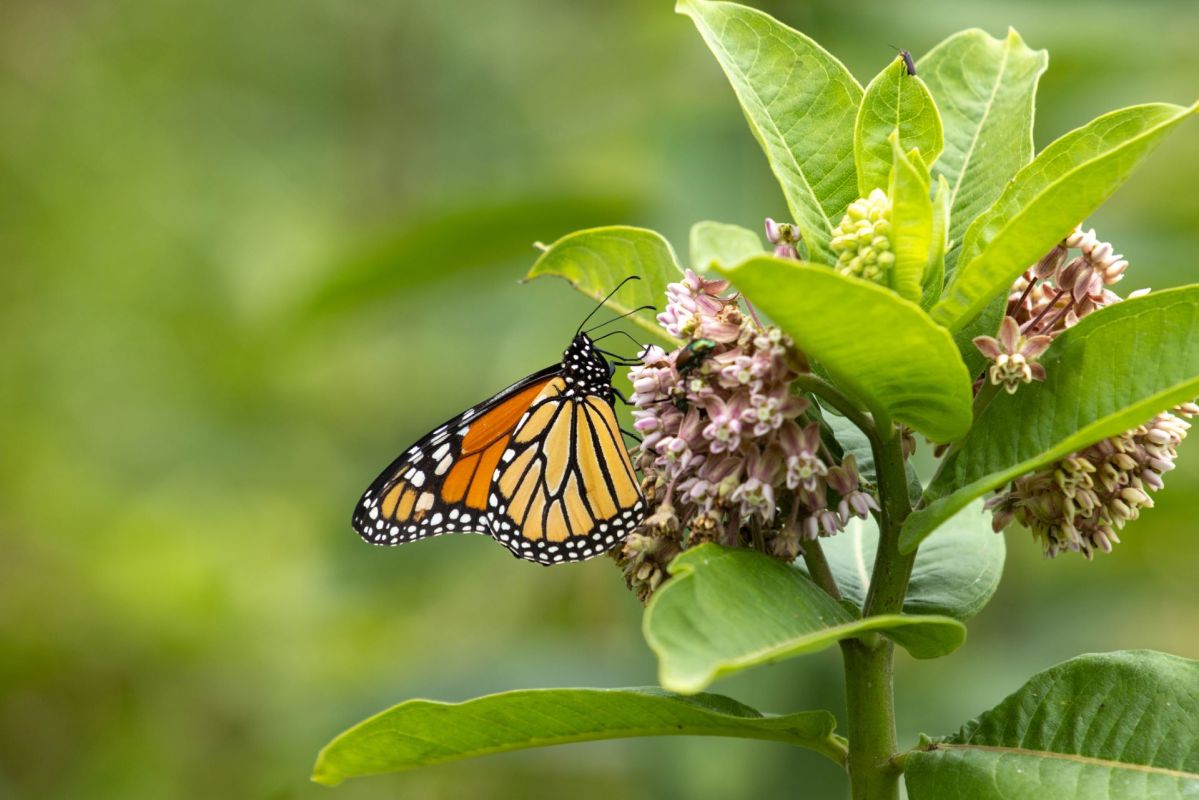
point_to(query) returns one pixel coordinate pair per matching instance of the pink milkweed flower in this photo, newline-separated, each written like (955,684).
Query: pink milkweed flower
(756,492)
(844,479)
(801,455)
(767,412)
(1013,356)
(724,432)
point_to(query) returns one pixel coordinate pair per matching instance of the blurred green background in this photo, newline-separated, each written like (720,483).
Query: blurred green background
(251,250)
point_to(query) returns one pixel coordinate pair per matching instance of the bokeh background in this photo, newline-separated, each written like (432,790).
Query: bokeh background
(248,251)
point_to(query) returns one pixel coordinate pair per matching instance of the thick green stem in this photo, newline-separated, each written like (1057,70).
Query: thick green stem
(871,720)
(869,688)
(892,569)
(868,682)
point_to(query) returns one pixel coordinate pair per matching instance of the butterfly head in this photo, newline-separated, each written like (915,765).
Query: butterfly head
(585,369)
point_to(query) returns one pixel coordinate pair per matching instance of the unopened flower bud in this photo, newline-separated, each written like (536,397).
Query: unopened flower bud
(862,241)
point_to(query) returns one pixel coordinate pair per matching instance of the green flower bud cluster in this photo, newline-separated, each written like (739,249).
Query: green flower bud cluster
(862,241)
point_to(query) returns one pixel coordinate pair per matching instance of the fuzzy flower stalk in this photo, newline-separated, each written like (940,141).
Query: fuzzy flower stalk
(1079,503)
(731,452)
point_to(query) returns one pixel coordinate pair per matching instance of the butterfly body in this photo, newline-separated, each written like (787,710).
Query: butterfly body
(540,467)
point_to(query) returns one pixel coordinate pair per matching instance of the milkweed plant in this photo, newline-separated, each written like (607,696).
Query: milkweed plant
(935,281)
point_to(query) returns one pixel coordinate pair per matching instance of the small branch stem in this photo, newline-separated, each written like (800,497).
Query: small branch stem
(1032,281)
(818,386)
(1032,323)
(1057,317)
(818,568)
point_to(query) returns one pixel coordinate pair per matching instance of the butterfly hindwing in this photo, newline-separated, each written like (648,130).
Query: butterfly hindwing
(566,490)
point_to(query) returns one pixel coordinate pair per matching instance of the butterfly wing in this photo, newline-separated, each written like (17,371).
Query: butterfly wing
(565,489)
(442,483)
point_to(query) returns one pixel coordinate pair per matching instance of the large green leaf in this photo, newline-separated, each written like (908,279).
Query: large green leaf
(956,572)
(985,89)
(879,348)
(800,102)
(1111,726)
(1111,372)
(894,101)
(419,733)
(720,243)
(911,222)
(1065,182)
(597,259)
(726,610)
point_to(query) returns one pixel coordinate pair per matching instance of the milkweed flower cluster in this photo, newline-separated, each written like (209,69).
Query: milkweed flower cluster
(1051,296)
(1079,503)
(730,452)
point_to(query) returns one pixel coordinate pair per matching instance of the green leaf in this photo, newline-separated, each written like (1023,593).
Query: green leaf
(419,733)
(911,222)
(1065,182)
(880,349)
(934,274)
(725,610)
(1111,372)
(718,243)
(800,103)
(596,260)
(894,101)
(985,89)
(955,574)
(1110,726)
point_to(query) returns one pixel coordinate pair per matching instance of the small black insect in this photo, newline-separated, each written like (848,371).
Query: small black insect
(690,359)
(908,62)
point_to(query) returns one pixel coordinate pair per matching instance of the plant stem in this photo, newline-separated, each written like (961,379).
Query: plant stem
(868,679)
(892,569)
(833,396)
(871,720)
(818,568)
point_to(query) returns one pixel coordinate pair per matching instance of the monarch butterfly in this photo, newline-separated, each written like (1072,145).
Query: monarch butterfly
(540,467)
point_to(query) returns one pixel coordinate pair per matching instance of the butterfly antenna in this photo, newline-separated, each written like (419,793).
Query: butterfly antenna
(619,360)
(622,316)
(605,300)
(625,334)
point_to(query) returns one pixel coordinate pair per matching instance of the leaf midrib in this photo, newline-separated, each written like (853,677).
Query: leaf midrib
(969,155)
(1080,759)
(769,117)
(883,623)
